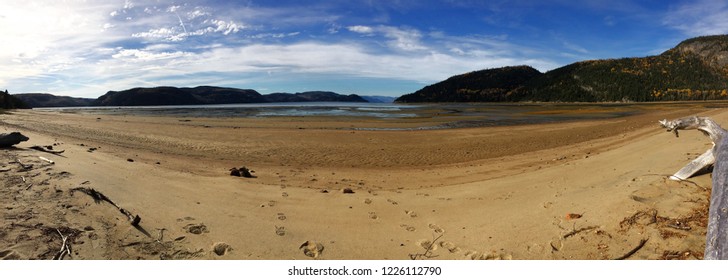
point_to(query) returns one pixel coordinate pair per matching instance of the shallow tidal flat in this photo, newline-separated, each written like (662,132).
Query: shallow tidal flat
(363,187)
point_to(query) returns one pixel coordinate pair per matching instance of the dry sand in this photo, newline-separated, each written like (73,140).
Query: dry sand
(466,193)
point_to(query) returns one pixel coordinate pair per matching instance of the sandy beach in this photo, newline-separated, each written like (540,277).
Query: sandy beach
(594,189)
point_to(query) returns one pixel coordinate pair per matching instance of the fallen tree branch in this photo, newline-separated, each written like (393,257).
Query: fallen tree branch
(680,227)
(98,197)
(22,165)
(576,231)
(65,248)
(43,149)
(631,252)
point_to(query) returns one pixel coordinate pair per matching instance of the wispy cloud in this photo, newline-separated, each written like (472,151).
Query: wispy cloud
(398,38)
(361,29)
(696,18)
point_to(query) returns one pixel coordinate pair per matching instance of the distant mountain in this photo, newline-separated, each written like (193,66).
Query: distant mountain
(379,99)
(8,101)
(211,95)
(491,85)
(38,100)
(696,69)
(148,97)
(224,95)
(308,96)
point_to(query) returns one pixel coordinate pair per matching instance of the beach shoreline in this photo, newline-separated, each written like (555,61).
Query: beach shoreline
(484,192)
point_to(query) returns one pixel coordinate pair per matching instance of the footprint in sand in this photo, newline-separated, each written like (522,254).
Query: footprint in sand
(367,201)
(280,231)
(196,228)
(281,216)
(311,249)
(392,201)
(185,219)
(475,255)
(373,215)
(427,244)
(272,203)
(412,214)
(284,194)
(450,246)
(408,227)
(221,248)
(436,228)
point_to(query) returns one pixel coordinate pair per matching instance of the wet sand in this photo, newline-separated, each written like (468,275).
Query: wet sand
(327,191)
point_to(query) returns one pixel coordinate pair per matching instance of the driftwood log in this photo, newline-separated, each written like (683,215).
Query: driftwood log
(716,245)
(47,149)
(10,139)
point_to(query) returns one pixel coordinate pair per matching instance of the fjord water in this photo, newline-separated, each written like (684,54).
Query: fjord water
(451,115)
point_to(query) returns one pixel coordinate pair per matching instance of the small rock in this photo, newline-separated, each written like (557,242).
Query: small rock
(88,228)
(347,190)
(242,172)
(572,216)
(130,160)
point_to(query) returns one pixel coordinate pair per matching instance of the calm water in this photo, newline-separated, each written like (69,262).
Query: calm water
(451,115)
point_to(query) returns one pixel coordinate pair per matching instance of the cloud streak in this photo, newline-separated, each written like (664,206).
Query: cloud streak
(697,18)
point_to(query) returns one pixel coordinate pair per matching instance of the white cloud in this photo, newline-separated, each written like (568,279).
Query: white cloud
(274,35)
(402,39)
(37,35)
(145,55)
(360,29)
(197,13)
(159,33)
(128,4)
(226,27)
(173,9)
(697,18)
(575,47)
(179,33)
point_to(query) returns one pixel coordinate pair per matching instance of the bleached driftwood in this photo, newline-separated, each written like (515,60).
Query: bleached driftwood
(709,128)
(13,138)
(716,245)
(65,248)
(47,160)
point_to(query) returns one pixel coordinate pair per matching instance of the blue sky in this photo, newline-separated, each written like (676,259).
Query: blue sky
(84,48)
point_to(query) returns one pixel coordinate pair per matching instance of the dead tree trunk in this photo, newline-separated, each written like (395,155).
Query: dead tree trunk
(716,242)
(716,245)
